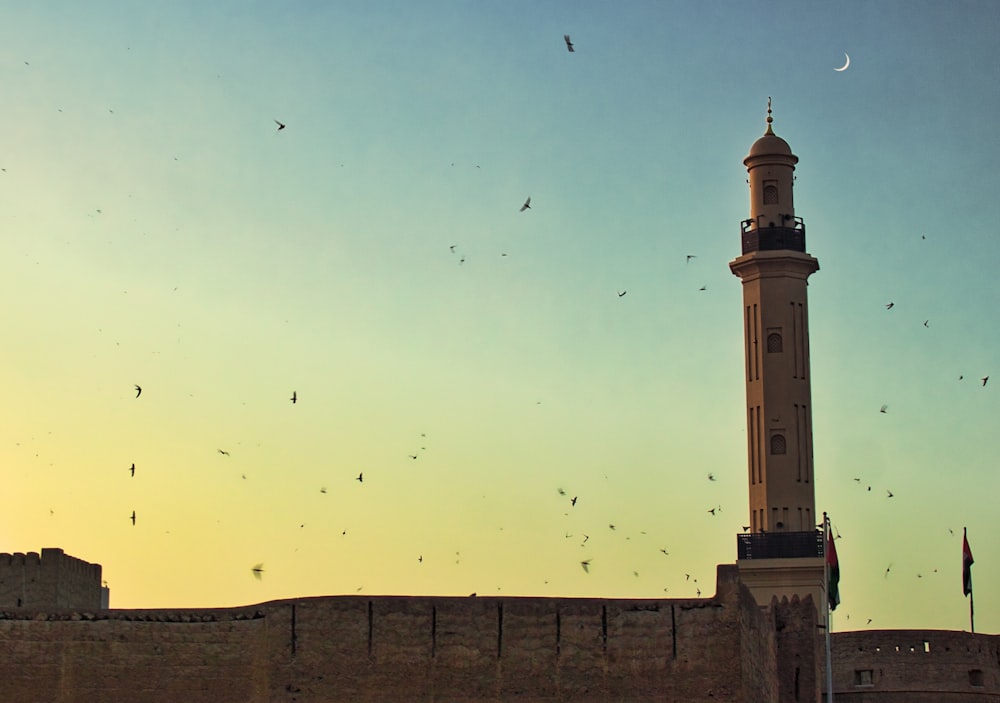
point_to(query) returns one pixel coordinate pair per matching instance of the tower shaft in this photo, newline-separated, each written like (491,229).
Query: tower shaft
(779,406)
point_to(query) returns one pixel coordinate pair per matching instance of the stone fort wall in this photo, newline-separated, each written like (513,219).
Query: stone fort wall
(355,648)
(50,580)
(914,666)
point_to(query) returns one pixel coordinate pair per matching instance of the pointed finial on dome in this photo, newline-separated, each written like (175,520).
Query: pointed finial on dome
(769,118)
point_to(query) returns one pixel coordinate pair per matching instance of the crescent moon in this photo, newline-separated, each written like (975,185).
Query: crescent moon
(846,63)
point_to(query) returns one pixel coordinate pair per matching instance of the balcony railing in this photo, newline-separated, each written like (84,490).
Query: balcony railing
(779,545)
(756,238)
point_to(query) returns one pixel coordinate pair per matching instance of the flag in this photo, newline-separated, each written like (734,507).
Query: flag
(967,562)
(832,571)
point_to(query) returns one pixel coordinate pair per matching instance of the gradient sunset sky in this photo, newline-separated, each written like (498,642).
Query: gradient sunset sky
(158,229)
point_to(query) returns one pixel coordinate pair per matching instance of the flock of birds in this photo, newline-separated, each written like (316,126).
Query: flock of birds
(889,494)
(257,570)
(927,323)
(587,563)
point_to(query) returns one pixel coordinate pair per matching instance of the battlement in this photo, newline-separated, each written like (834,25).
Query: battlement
(70,564)
(51,579)
(20,559)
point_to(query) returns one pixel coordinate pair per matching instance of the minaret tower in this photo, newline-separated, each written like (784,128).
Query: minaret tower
(781,555)
(774,268)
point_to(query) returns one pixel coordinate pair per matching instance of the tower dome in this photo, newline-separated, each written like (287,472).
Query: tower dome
(770,144)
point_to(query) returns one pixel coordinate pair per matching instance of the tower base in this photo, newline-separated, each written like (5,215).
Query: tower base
(785,578)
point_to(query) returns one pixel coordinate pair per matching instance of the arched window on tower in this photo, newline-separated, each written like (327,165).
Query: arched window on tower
(778,444)
(770,193)
(774,342)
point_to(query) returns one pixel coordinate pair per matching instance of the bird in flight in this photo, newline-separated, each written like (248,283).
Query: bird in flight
(712,510)
(711,477)
(569,44)
(295,397)
(527,204)
(689,257)
(133,518)
(573,501)
(890,494)
(257,571)
(890,306)
(132,470)
(883,408)
(984,379)
(412,456)
(622,293)
(665,552)
(703,288)
(280,127)
(452,247)
(138,390)
(223,452)
(586,565)
(361,477)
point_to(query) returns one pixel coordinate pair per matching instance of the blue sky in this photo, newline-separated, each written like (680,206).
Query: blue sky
(161,231)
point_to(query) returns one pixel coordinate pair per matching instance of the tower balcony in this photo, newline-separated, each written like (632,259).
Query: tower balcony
(779,545)
(771,238)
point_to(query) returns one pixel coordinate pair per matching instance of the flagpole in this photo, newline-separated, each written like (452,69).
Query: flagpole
(967,577)
(972,612)
(826,588)
(972,615)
